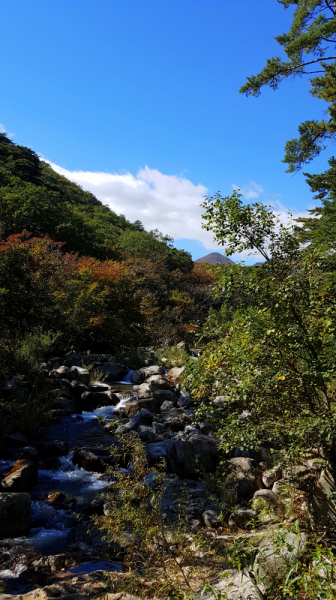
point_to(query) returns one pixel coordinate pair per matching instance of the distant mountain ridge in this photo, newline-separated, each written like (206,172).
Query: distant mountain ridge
(214,258)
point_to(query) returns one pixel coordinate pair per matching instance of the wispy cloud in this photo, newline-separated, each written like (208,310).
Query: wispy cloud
(4,130)
(251,190)
(170,203)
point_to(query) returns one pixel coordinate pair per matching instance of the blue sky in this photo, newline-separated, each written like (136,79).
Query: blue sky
(138,101)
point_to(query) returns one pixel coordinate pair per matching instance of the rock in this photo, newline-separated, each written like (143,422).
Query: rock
(321,502)
(113,372)
(69,406)
(212,517)
(174,374)
(133,407)
(29,453)
(268,505)
(235,585)
(185,401)
(92,400)
(76,388)
(71,373)
(21,477)
(276,555)
(156,451)
(140,375)
(167,406)
(241,516)
(205,449)
(146,434)
(15,514)
(18,440)
(157,382)
(142,391)
(99,387)
(51,449)
(144,417)
(93,459)
(181,458)
(219,400)
(79,374)
(244,479)
(162,395)
(270,476)
(294,473)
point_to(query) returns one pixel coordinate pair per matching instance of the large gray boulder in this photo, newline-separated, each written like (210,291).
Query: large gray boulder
(71,373)
(133,407)
(245,479)
(174,374)
(181,458)
(157,382)
(21,477)
(157,451)
(94,459)
(269,506)
(321,503)
(92,400)
(140,375)
(144,417)
(15,514)
(142,390)
(113,372)
(235,585)
(162,395)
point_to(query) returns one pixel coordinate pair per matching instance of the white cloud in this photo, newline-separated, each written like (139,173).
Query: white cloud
(252,190)
(4,130)
(170,203)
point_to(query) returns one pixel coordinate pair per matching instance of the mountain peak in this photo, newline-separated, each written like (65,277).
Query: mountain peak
(215,258)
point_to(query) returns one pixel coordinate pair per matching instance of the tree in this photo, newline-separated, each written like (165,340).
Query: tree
(310,47)
(273,358)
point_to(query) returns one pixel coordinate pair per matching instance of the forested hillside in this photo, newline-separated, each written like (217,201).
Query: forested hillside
(74,273)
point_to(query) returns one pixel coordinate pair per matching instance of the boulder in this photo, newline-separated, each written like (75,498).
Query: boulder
(140,375)
(99,387)
(142,391)
(205,449)
(92,400)
(270,476)
(29,453)
(156,451)
(321,503)
(113,372)
(277,553)
(181,458)
(212,516)
(92,459)
(15,514)
(167,406)
(174,374)
(133,407)
(269,506)
(144,417)
(51,449)
(157,382)
(79,374)
(162,395)
(69,406)
(21,477)
(146,434)
(241,516)
(76,388)
(71,373)
(235,585)
(245,479)
(18,440)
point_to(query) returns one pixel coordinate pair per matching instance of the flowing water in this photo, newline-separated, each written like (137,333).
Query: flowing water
(50,528)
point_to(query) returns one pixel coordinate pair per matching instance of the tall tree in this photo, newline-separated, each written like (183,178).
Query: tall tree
(310,48)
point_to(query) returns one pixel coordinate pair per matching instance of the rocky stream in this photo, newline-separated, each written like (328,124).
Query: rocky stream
(51,486)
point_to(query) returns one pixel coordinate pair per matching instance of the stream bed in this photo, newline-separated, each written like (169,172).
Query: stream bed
(54,529)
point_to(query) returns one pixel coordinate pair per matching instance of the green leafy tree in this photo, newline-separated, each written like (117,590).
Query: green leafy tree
(310,48)
(274,359)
